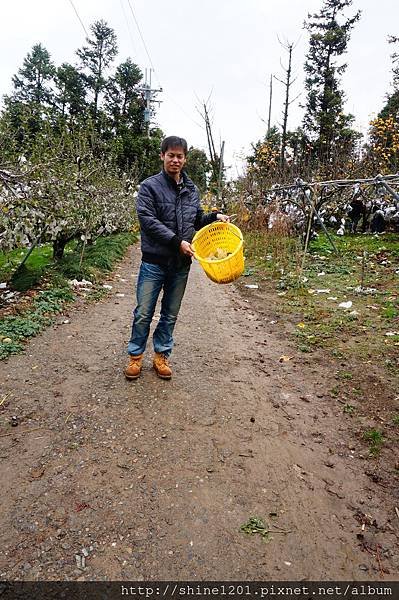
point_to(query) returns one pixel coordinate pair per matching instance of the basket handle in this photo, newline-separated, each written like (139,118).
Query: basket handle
(233,232)
(236,234)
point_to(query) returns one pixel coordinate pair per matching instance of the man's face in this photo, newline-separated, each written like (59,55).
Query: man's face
(174,160)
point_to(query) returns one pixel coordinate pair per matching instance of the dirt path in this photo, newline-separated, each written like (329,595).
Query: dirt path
(153,479)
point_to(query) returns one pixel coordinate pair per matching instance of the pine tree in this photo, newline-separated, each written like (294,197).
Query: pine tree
(32,83)
(325,122)
(198,168)
(392,104)
(96,57)
(71,97)
(124,101)
(395,62)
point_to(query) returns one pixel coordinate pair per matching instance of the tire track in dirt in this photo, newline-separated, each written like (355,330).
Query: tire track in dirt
(153,479)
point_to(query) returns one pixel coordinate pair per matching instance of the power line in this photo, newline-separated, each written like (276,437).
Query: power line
(128,27)
(153,68)
(80,20)
(141,36)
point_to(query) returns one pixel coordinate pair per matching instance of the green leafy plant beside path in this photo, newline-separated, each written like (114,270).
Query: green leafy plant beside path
(55,292)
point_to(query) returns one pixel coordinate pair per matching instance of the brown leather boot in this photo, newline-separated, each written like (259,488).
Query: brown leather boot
(161,366)
(133,369)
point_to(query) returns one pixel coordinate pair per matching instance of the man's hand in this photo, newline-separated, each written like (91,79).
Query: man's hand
(185,248)
(224,218)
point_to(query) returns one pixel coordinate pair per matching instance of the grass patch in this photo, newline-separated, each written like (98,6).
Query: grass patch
(39,258)
(98,260)
(363,273)
(344,375)
(375,440)
(391,311)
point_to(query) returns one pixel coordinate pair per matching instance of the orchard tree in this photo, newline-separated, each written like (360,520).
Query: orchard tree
(96,57)
(382,153)
(325,121)
(392,103)
(264,163)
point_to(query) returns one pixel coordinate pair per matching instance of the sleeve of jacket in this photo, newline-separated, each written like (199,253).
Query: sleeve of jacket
(203,218)
(148,219)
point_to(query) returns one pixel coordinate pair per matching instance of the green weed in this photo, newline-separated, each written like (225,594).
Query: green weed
(32,321)
(52,301)
(7,348)
(344,375)
(390,311)
(19,328)
(255,525)
(304,348)
(375,439)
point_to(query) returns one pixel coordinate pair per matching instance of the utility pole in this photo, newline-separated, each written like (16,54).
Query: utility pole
(148,95)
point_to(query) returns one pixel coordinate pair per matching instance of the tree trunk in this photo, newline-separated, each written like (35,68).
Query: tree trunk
(286,105)
(59,246)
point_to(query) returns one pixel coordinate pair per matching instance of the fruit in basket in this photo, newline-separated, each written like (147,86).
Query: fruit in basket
(219,254)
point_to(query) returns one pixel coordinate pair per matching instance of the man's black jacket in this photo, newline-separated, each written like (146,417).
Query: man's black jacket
(168,213)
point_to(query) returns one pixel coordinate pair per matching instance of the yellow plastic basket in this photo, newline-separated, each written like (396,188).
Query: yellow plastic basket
(225,236)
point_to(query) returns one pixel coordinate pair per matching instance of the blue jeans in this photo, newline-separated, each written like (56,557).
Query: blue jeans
(151,280)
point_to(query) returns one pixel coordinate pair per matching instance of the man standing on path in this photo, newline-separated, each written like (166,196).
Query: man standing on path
(169,212)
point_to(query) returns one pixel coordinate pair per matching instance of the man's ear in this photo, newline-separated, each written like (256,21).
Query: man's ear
(162,156)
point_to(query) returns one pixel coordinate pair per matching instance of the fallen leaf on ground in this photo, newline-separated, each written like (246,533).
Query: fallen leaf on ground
(82,506)
(37,472)
(285,358)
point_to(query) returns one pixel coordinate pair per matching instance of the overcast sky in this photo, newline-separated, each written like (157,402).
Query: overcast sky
(226,48)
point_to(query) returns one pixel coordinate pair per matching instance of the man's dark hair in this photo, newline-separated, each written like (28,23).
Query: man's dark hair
(172,142)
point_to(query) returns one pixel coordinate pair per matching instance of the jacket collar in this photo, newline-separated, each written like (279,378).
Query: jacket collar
(185,181)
